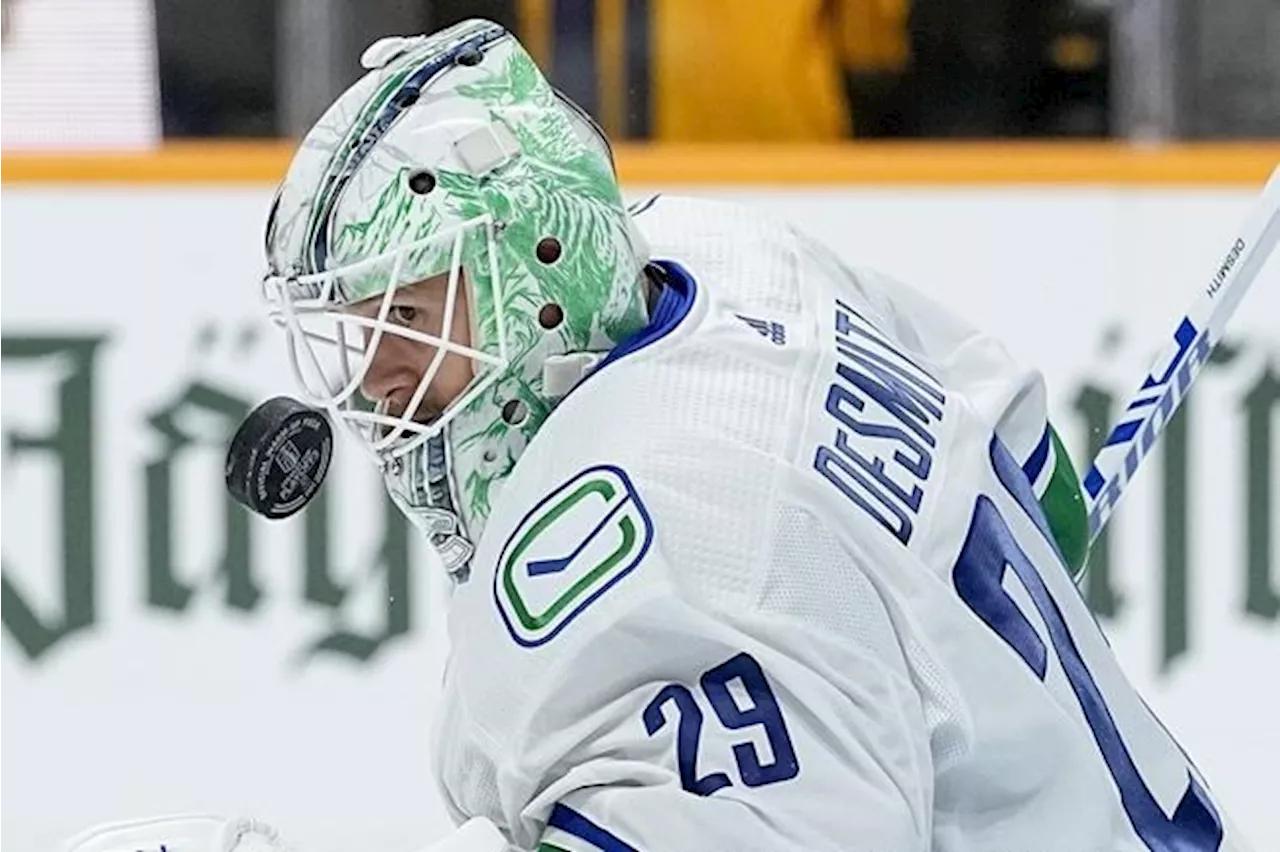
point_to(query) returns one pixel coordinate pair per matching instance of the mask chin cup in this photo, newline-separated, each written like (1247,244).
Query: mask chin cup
(421,484)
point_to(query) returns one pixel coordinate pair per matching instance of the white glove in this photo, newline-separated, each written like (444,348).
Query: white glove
(202,833)
(475,835)
(182,833)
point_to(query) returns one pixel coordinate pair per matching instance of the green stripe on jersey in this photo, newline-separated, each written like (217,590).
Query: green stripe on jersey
(1064,507)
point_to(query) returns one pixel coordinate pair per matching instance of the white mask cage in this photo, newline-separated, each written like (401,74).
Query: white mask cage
(332,347)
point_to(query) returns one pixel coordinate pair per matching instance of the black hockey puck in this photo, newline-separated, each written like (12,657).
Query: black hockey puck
(279,457)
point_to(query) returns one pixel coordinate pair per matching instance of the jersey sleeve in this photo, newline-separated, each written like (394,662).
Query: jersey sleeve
(1011,395)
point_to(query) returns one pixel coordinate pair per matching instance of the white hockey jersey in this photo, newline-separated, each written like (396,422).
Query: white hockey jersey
(775,577)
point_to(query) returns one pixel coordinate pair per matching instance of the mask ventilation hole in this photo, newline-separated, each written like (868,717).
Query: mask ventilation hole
(550,316)
(422,182)
(514,412)
(548,250)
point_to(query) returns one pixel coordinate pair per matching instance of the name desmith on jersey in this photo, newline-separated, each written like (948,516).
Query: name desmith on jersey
(906,402)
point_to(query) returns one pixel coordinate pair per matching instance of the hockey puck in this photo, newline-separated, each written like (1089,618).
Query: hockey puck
(279,457)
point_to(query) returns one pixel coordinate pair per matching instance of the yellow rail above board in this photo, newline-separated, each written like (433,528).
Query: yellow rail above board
(865,163)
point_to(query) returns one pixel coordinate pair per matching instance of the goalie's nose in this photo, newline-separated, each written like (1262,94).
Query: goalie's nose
(392,375)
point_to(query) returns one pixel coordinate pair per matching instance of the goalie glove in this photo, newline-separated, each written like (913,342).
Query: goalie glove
(185,833)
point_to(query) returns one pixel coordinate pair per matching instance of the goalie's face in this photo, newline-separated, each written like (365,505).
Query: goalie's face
(399,363)
(376,330)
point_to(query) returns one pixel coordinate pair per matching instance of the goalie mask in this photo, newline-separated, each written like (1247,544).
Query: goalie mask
(452,162)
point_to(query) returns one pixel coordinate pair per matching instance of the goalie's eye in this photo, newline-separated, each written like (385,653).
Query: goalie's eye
(403,314)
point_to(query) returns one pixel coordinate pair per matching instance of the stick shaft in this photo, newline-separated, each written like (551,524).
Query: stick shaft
(1151,408)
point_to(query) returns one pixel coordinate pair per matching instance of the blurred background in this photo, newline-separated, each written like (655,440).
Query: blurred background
(796,70)
(811,70)
(1063,173)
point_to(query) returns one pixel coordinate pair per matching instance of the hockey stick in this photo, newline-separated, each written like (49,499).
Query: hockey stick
(1149,410)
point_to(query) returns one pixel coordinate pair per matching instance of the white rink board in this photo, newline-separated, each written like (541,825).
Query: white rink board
(217,706)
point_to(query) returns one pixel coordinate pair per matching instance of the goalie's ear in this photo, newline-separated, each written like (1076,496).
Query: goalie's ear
(179,833)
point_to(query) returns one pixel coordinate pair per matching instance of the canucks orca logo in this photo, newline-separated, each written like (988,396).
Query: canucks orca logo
(575,545)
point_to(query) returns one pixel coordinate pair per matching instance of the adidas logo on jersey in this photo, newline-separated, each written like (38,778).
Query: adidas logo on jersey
(774,331)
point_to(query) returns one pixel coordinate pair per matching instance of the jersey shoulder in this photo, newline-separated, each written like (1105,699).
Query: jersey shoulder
(692,467)
(656,477)
(686,427)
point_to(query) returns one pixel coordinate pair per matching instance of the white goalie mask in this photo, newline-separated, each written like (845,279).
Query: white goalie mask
(452,162)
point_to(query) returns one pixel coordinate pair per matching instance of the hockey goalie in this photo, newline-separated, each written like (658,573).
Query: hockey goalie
(750,549)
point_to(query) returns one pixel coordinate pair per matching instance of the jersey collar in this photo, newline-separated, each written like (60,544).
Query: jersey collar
(679,292)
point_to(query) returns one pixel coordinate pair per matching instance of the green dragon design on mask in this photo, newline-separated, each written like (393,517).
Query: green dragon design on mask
(558,185)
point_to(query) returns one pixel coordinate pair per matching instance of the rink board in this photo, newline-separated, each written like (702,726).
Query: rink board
(196,660)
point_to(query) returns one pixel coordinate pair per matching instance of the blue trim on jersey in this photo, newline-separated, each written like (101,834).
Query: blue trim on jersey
(570,821)
(674,303)
(679,292)
(1035,463)
(989,550)
(1006,467)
